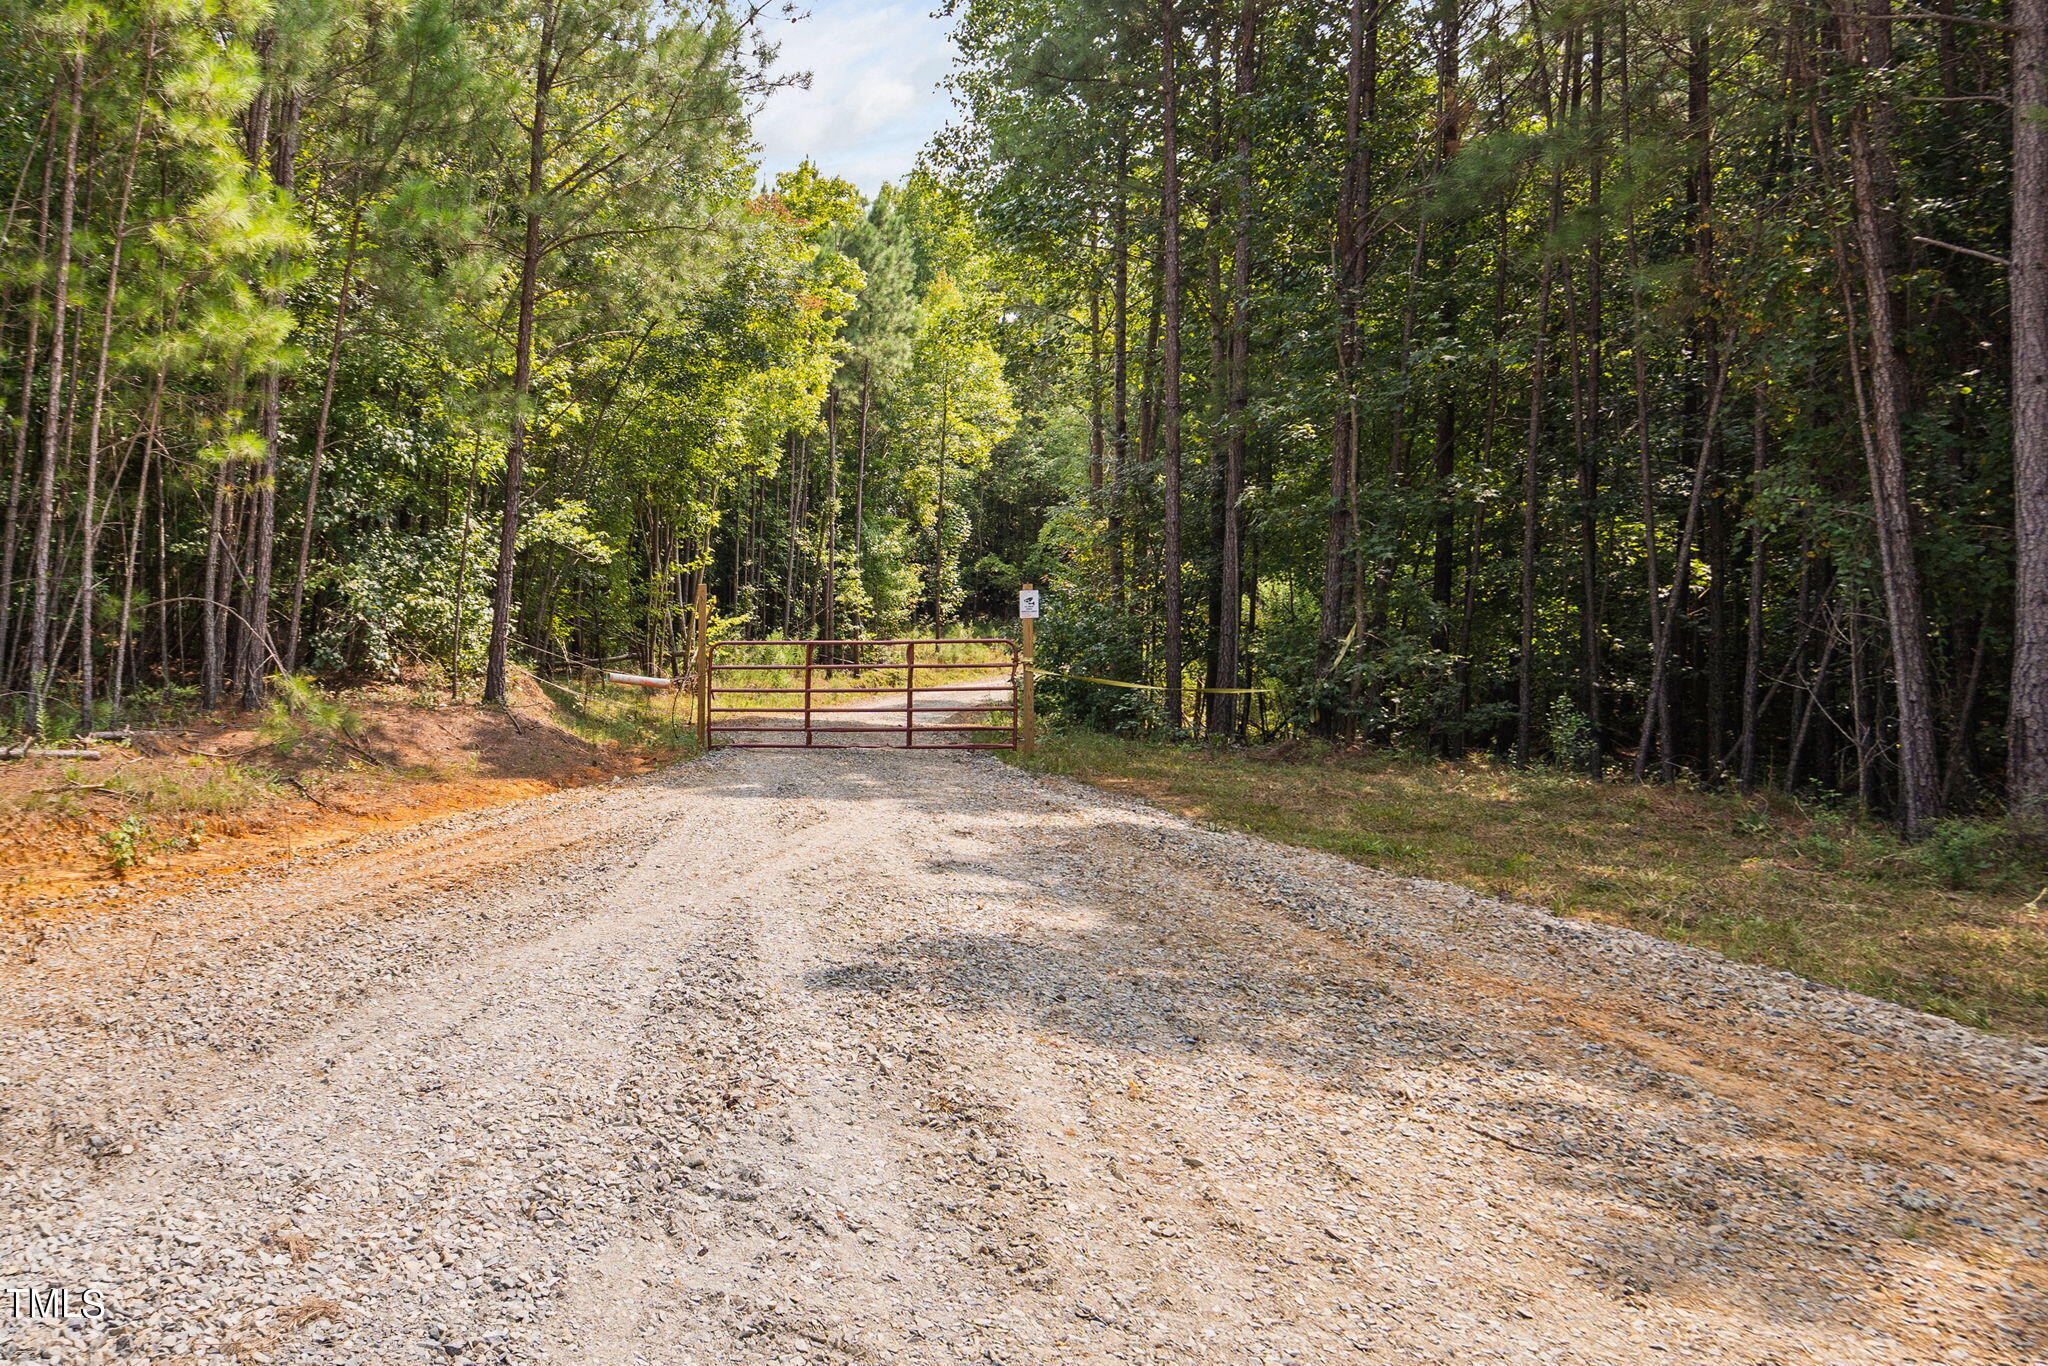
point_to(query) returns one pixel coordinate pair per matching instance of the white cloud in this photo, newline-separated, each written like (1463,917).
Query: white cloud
(873,99)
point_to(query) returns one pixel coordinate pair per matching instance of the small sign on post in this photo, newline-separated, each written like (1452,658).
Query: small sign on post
(1027,712)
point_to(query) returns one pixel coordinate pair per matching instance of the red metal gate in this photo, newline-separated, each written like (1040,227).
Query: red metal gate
(766,708)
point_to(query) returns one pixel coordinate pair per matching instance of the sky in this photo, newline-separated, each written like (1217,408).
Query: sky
(873,100)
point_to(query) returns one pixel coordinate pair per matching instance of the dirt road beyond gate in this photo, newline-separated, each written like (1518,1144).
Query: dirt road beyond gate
(897,1057)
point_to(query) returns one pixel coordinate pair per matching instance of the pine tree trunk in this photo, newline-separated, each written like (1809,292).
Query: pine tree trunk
(2027,724)
(212,645)
(1753,653)
(1170,361)
(1532,494)
(1230,569)
(1354,198)
(10,537)
(318,455)
(89,519)
(1120,369)
(1660,655)
(522,368)
(860,490)
(939,519)
(1444,441)
(1875,181)
(40,587)
(828,612)
(1587,430)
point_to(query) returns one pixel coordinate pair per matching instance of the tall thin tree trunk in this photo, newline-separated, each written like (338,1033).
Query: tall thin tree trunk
(1444,444)
(1532,494)
(939,522)
(828,611)
(10,537)
(1753,653)
(1230,575)
(89,520)
(2027,723)
(318,455)
(1120,368)
(860,487)
(522,365)
(1354,197)
(1532,463)
(46,488)
(212,649)
(1170,361)
(1660,654)
(1875,182)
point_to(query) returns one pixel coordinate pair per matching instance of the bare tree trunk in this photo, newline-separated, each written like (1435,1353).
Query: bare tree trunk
(2027,724)
(1361,80)
(1660,657)
(1230,575)
(211,645)
(319,452)
(1532,469)
(1586,428)
(123,646)
(1532,489)
(1657,704)
(522,366)
(1444,461)
(828,611)
(1120,369)
(1753,654)
(31,352)
(939,522)
(89,520)
(46,488)
(1170,361)
(1875,181)
(795,474)
(860,487)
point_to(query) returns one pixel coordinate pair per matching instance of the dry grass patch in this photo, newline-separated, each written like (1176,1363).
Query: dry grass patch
(1958,926)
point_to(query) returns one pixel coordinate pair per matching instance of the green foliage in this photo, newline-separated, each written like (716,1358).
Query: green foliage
(1961,852)
(399,600)
(1570,735)
(126,844)
(302,718)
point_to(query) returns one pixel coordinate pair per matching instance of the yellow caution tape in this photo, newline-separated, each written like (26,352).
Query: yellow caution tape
(1148,687)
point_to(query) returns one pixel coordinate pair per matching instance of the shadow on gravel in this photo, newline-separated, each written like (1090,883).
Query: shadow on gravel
(1655,1188)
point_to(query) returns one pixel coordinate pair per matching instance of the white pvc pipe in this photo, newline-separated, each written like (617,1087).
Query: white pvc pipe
(639,681)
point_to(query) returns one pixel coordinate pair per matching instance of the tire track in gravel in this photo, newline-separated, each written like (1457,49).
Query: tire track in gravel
(911,1058)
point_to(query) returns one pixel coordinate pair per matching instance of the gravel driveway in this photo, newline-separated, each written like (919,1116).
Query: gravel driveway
(886,1057)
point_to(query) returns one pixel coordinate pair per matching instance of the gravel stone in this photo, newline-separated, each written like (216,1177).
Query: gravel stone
(877,1056)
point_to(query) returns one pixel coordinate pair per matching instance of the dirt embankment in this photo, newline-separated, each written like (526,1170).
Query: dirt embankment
(218,793)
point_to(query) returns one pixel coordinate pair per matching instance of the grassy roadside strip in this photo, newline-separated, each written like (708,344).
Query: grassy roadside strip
(1957,927)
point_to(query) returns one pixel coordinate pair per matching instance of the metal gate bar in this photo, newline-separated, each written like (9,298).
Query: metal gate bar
(1000,654)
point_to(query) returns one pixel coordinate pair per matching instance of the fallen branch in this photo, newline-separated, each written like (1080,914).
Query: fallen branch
(303,791)
(88,787)
(52,754)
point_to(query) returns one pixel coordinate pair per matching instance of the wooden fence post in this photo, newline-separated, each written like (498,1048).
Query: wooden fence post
(703,680)
(1027,707)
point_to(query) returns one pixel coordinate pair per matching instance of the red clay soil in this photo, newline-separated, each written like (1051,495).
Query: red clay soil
(409,761)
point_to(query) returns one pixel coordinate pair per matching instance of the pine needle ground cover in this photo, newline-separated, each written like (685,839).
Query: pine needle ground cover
(1957,926)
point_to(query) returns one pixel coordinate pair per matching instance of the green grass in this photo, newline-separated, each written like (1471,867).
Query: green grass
(1956,926)
(658,720)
